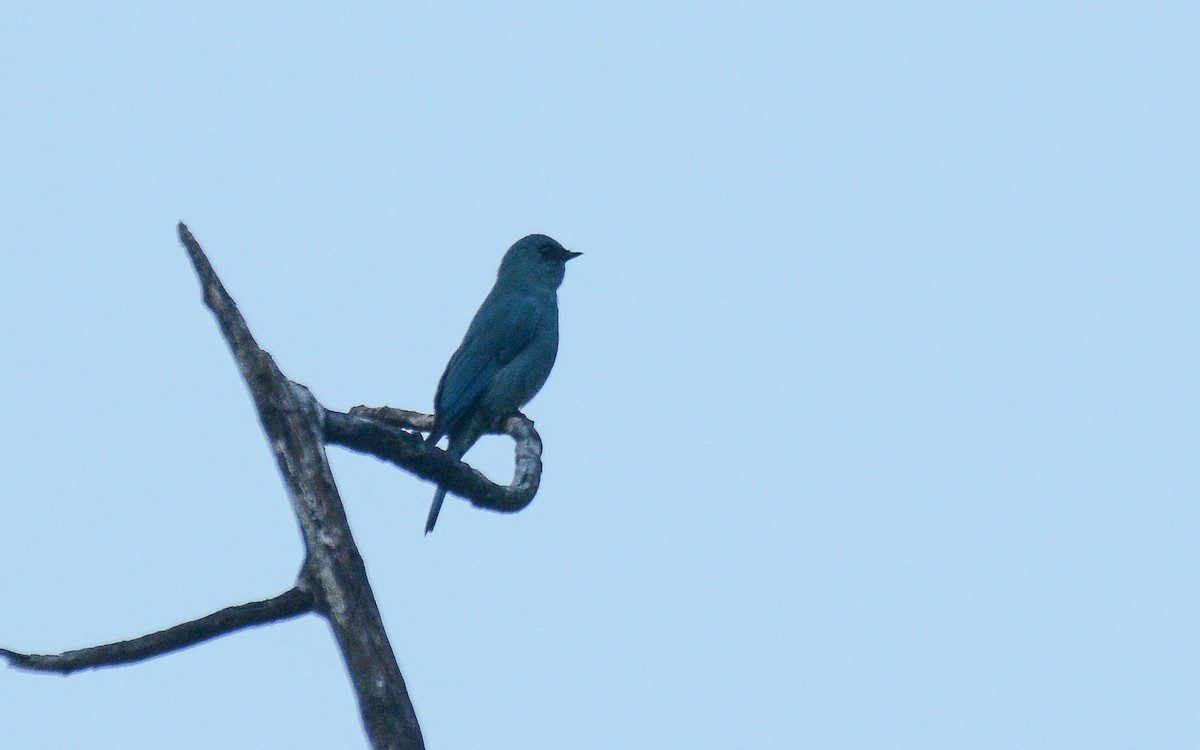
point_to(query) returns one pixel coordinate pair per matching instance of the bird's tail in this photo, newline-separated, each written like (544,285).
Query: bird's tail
(436,508)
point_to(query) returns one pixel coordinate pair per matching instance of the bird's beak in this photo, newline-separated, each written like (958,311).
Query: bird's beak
(571,254)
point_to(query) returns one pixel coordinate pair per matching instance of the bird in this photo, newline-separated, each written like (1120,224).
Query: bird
(507,352)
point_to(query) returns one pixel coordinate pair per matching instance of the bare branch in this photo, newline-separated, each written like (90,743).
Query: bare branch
(293,419)
(414,420)
(333,580)
(287,605)
(374,431)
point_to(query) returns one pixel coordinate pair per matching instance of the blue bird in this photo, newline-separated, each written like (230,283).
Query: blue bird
(506,355)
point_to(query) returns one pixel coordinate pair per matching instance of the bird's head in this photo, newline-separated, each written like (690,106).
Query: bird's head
(537,260)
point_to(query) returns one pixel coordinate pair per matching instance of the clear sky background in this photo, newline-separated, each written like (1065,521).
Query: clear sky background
(875,419)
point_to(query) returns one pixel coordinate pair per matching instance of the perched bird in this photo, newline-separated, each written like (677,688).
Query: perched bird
(506,355)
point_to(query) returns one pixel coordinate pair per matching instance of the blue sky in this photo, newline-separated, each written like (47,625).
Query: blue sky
(874,422)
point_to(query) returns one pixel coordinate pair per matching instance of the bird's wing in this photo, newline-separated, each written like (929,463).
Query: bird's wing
(501,330)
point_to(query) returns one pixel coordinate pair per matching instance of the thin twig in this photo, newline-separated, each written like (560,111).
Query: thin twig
(373,430)
(291,603)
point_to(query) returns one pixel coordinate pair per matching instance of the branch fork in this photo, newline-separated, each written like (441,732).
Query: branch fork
(332,580)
